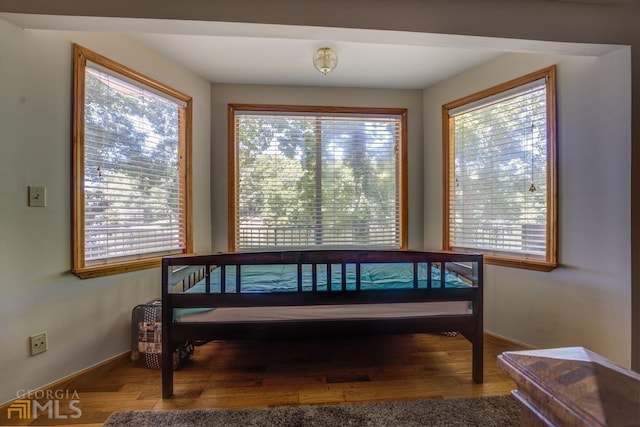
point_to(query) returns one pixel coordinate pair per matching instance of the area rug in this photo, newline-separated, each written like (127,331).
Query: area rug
(502,411)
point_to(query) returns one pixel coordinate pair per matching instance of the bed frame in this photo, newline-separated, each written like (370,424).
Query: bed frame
(180,273)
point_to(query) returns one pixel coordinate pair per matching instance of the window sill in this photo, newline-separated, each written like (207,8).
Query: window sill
(116,268)
(528,264)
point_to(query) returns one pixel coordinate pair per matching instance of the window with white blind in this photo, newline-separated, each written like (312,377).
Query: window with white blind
(316,176)
(131,155)
(500,182)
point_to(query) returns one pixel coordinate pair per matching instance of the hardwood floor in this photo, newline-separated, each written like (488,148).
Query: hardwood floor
(243,374)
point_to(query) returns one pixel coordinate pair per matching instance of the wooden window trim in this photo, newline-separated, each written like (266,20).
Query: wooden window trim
(232,164)
(79,266)
(551,261)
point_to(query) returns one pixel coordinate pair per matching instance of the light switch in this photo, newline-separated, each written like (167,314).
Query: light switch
(37,196)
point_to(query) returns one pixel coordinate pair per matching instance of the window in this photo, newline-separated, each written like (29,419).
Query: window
(131,163)
(316,176)
(500,184)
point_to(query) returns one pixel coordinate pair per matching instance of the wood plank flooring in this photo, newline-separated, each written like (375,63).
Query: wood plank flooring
(247,374)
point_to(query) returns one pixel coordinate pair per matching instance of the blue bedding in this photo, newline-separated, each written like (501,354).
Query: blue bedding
(283,278)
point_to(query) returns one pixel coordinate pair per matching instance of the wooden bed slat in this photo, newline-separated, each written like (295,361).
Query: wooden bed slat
(238,278)
(314,279)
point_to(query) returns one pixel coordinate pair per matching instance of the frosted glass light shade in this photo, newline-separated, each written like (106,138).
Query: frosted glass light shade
(325,60)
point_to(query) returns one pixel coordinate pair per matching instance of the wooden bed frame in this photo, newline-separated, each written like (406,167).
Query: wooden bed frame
(180,273)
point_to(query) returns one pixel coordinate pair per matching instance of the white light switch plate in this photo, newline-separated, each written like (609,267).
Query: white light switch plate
(37,196)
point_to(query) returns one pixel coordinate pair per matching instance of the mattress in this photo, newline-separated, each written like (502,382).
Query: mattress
(328,312)
(270,278)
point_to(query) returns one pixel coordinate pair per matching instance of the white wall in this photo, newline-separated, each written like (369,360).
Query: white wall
(223,94)
(587,300)
(87,321)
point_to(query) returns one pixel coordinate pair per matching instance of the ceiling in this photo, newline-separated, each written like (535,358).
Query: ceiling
(244,53)
(288,61)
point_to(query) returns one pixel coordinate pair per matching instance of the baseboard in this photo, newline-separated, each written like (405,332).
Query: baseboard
(506,342)
(98,369)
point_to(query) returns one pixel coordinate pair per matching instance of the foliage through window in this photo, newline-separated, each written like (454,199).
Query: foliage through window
(131,154)
(317,176)
(500,174)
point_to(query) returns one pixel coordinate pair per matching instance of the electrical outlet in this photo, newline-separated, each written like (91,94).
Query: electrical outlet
(38,343)
(37,196)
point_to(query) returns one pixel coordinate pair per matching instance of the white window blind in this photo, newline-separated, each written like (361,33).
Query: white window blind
(317,180)
(133,204)
(498,174)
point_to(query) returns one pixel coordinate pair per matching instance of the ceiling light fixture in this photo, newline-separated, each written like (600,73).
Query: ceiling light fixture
(325,60)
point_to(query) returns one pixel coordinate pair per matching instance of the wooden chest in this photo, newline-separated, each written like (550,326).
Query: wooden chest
(572,387)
